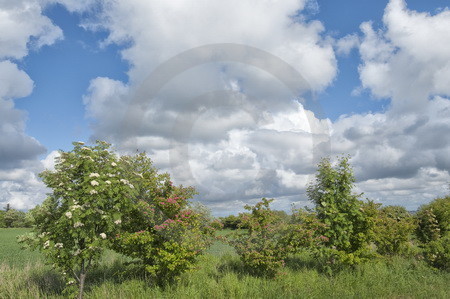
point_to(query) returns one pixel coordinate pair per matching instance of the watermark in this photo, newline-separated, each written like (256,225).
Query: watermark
(162,75)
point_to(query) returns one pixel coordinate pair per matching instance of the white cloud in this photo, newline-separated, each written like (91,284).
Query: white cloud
(347,43)
(410,60)
(22,25)
(236,144)
(402,156)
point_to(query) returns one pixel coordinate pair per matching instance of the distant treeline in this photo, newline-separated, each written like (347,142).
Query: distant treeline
(10,217)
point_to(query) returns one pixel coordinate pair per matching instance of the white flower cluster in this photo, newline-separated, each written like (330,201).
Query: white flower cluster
(92,192)
(43,234)
(113,164)
(111,175)
(46,244)
(108,182)
(68,215)
(74,207)
(94,183)
(78,224)
(126,182)
(94,175)
(77,252)
(86,148)
(59,245)
(103,235)
(118,221)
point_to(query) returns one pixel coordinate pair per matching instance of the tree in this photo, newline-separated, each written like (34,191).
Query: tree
(341,212)
(2,219)
(231,222)
(89,196)
(12,218)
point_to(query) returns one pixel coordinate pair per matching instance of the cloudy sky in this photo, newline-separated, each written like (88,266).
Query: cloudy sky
(239,98)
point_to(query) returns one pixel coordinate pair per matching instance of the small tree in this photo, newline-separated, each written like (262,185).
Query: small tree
(341,212)
(85,208)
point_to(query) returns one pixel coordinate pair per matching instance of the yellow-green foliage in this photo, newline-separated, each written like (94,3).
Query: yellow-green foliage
(393,226)
(434,232)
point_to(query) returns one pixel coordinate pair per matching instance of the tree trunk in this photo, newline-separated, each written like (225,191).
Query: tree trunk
(81,289)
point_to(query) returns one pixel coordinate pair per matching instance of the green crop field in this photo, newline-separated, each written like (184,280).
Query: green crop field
(10,252)
(220,275)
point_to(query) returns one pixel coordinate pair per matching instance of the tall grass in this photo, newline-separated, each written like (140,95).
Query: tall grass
(220,275)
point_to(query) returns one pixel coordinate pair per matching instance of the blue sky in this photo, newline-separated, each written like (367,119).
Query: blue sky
(72,68)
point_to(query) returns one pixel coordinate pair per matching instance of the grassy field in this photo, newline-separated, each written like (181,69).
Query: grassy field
(10,252)
(219,275)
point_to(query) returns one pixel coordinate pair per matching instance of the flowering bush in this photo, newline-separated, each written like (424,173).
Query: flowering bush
(434,232)
(84,210)
(162,230)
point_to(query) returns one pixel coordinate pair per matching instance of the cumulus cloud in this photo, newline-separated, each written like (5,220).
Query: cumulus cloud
(231,120)
(238,133)
(347,43)
(22,27)
(15,145)
(402,156)
(409,61)
(225,119)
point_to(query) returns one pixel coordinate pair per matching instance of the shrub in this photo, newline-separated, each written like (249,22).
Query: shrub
(162,230)
(437,252)
(434,232)
(231,222)
(301,232)
(259,247)
(85,208)
(393,226)
(346,226)
(433,219)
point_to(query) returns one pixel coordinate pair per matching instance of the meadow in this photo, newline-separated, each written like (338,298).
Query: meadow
(219,274)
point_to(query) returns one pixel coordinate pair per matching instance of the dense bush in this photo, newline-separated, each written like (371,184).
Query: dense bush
(302,232)
(434,232)
(14,218)
(260,247)
(346,225)
(100,200)
(84,210)
(163,230)
(433,219)
(392,230)
(230,222)
(437,252)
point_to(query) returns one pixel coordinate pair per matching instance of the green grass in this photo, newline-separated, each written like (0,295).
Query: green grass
(10,251)
(220,275)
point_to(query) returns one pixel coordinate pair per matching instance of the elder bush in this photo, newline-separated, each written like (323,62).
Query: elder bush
(84,211)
